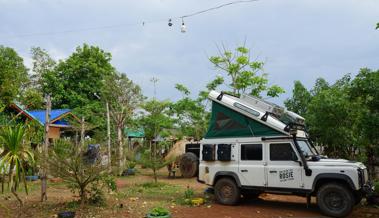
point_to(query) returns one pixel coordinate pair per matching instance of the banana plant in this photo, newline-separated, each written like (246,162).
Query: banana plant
(14,156)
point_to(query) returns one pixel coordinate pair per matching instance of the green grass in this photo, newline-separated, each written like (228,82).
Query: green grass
(151,190)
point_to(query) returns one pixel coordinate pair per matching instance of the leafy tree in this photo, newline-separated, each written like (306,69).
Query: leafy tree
(155,120)
(365,89)
(300,99)
(243,72)
(212,85)
(43,66)
(75,80)
(320,85)
(123,97)
(332,120)
(152,159)
(14,157)
(189,114)
(13,75)
(32,98)
(377,26)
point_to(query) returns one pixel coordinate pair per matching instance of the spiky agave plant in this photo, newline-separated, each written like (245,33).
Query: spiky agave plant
(14,157)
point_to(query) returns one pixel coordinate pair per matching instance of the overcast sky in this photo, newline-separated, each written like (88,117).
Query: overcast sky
(297,39)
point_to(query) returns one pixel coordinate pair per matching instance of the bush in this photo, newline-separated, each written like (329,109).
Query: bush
(131,164)
(96,196)
(189,193)
(159,211)
(68,162)
(376,186)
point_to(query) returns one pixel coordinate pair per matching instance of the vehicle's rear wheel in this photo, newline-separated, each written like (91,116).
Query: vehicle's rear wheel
(335,200)
(227,192)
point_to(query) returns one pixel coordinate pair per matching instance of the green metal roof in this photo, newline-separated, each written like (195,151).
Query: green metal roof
(133,133)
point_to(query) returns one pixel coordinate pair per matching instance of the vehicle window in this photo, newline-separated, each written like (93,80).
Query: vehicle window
(251,152)
(282,152)
(306,149)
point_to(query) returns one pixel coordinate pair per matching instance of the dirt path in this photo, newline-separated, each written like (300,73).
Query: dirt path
(270,206)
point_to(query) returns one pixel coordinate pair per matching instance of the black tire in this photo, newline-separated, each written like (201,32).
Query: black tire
(227,192)
(358,198)
(335,200)
(189,165)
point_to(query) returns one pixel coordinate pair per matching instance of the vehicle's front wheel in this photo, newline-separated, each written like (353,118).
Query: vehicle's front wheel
(227,192)
(335,200)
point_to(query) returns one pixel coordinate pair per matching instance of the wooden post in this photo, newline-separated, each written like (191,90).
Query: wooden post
(109,137)
(45,148)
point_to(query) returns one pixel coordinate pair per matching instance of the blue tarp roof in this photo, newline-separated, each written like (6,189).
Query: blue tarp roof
(39,115)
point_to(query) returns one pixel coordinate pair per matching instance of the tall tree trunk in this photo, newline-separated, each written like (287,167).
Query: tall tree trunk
(82,195)
(120,149)
(109,138)
(155,175)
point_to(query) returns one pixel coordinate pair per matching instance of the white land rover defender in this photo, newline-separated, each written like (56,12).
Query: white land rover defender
(253,146)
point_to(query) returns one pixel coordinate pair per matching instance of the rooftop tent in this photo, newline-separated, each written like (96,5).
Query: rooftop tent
(226,122)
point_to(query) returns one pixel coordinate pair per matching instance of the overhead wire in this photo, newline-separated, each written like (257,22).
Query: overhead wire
(143,23)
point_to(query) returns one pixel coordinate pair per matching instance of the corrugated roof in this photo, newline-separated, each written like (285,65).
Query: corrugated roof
(39,115)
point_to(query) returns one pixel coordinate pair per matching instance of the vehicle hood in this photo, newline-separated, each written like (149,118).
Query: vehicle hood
(336,162)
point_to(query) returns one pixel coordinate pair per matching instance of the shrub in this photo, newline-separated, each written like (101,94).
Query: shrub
(159,211)
(131,164)
(189,193)
(68,162)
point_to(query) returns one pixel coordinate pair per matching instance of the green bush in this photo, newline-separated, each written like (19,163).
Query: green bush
(376,186)
(189,193)
(110,182)
(159,211)
(96,196)
(131,164)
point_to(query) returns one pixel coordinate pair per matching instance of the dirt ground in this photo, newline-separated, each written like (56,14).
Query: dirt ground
(133,201)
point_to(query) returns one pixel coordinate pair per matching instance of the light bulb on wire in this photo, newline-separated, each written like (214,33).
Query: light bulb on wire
(183,28)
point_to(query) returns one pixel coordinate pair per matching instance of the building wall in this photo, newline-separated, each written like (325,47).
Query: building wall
(54,133)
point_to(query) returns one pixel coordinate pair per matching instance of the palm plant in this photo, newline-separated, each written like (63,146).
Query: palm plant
(14,156)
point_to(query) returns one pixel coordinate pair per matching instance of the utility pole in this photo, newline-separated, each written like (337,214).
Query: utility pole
(45,148)
(154,80)
(109,137)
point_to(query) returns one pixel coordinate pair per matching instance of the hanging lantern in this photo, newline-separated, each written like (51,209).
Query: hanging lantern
(183,28)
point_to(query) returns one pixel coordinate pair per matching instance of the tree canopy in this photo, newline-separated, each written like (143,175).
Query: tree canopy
(13,75)
(245,74)
(75,80)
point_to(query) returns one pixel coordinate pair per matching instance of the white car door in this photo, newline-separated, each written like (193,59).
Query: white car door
(283,168)
(251,164)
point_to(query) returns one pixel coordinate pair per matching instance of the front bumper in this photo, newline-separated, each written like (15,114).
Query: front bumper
(368,189)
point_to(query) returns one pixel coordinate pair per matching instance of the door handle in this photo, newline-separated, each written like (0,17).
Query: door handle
(244,171)
(273,171)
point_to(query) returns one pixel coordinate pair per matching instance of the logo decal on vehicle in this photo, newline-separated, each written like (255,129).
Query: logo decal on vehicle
(286,175)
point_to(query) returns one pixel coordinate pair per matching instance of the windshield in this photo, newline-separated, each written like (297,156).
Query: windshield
(306,148)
